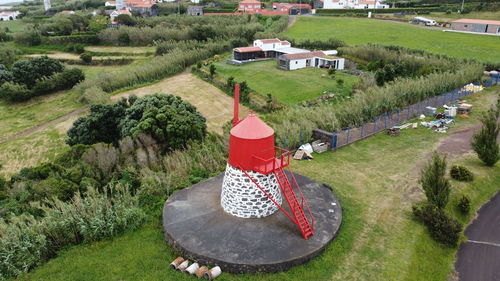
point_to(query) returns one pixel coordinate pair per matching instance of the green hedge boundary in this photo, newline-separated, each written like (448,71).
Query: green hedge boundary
(379,11)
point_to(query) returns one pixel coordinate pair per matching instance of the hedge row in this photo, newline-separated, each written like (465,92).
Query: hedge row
(214,10)
(71,39)
(389,10)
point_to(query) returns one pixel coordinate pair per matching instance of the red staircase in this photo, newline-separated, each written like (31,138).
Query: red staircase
(296,208)
(276,165)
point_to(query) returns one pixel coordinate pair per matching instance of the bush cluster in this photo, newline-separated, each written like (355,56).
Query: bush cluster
(168,119)
(441,226)
(34,77)
(26,241)
(461,173)
(464,204)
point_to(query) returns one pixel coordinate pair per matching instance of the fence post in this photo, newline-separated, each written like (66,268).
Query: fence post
(334,140)
(362,128)
(409,110)
(284,142)
(348,134)
(374,125)
(398,115)
(385,120)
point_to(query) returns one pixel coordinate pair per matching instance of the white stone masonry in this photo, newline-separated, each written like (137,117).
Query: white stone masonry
(242,198)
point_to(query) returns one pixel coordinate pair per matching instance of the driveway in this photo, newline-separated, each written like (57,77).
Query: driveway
(479,258)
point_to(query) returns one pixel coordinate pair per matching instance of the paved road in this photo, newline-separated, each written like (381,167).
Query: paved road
(479,258)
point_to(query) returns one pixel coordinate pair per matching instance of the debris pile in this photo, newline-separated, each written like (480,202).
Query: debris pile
(194,269)
(472,88)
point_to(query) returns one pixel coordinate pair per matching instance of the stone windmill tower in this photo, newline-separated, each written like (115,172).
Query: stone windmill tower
(255,182)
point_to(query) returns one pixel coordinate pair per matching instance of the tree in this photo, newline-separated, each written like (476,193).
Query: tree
(98,23)
(485,142)
(30,38)
(5,75)
(86,58)
(101,125)
(212,70)
(7,55)
(230,83)
(28,71)
(125,20)
(167,118)
(435,185)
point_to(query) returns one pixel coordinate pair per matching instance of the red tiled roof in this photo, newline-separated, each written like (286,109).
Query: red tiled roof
(248,49)
(367,2)
(495,22)
(250,2)
(305,55)
(285,42)
(223,14)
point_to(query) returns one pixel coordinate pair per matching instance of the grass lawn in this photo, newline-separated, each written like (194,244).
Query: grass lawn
(13,25)
(15,117)
(288,87)
(356,31)
(376,181)
(32,150)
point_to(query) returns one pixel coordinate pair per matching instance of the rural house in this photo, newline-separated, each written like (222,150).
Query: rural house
(292,9)
(144,8)
(116,13)
(5,16)
(318,59)
(352,4)
(480,26)
(195,10)
(288,58)
(249,5)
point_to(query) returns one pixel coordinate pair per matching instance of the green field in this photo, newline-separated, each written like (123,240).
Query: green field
(378,240)
(356,31)
(288,87)
(13,25)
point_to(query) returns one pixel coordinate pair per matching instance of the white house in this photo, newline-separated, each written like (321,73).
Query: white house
(110,4)
(354,4)
(318,59)
(12,15)
(287,57)
(195,1)
(116,13)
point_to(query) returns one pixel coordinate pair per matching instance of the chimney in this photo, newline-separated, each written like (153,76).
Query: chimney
(236,116)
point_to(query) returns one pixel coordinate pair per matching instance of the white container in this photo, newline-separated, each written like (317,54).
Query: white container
(191,270)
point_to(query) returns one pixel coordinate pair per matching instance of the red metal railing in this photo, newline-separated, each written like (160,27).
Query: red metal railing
(302,198)
(280,159)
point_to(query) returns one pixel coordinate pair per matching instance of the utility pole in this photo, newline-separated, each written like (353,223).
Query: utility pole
(462,5)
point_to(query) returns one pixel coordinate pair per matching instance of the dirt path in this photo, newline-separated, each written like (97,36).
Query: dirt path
(291,21)
(60,121)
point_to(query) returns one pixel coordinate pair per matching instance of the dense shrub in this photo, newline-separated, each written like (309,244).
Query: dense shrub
(464,204)
(14,92)
(441,226)
(28,71)
(461,173)
(168,119)
(30,38)
(86,58)
(7,55)
(329,44)
(485,142)
(75,48)
(91,39)
(5,75)
(60,81)
(26,241)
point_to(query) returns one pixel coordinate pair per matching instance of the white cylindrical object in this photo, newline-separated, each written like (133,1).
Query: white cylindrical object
(183,265)
(176,262)
(213,273)
(191,270)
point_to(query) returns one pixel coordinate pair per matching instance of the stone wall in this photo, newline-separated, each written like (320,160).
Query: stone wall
(242,198)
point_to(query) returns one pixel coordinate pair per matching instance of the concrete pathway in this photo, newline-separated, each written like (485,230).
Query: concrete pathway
(479,258)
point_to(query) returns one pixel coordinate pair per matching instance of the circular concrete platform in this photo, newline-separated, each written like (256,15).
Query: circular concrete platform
(198,228)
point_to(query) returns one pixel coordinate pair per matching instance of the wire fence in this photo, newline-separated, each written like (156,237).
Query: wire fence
(349,135)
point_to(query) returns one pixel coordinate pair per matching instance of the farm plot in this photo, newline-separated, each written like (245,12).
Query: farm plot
(69,56)
(356,31)
(121,50)
(288,87)
(379,239)
(211,102)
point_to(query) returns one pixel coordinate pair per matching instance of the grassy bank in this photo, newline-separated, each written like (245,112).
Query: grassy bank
(356,31)
(288,87)
(379,239)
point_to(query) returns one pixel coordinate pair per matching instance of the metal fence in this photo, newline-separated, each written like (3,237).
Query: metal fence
(349,135)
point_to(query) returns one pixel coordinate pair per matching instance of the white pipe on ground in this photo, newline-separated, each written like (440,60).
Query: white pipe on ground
(176,262)
(191,270)
(201,271)
(213,273)
(182,267)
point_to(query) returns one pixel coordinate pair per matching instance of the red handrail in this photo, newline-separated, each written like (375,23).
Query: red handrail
(302,198)
(283,159)
(268,196)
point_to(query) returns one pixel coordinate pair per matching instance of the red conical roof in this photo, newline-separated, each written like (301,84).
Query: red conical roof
(252,128)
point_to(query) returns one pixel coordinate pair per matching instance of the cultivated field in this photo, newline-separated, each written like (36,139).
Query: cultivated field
(124,50)
(288,87)
(211,102)
(379,239)
(356,31)
(13,25)
(70,56)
